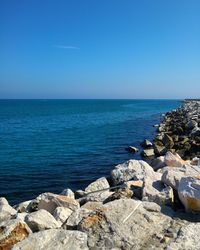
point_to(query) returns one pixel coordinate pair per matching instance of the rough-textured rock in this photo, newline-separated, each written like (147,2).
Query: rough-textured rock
(158,163)
(6,211)
(172,176)
(155,191)
(61,214)
(23,206)
(93,205)
(41,220)
(125,224)
(69,193)
(52,239)
(188,238)
(96,197)
(189,193)
(99,184)
(122,193)
(149,152)
(133,170)
(50,202)
(11,232)
(173,160)
(75,218)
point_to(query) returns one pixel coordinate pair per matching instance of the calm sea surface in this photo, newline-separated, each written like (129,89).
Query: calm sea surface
(49,145)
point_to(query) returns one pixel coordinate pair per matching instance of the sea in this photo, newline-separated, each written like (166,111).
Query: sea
(50,145)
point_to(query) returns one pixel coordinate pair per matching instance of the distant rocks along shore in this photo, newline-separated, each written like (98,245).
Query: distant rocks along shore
(154,205)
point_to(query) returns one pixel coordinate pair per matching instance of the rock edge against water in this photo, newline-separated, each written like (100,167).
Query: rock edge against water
(154,205)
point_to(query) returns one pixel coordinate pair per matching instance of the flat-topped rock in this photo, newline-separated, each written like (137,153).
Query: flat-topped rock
(41,220)
(52,239)
(133,170)
(99,184)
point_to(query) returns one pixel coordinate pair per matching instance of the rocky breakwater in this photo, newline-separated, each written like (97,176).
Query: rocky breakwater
(180,131)
(140,207)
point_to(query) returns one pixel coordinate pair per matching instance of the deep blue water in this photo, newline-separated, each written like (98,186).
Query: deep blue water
(49,145)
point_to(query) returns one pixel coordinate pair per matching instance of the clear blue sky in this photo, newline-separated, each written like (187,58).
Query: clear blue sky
(99,48)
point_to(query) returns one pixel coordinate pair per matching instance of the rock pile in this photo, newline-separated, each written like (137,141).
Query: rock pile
(141,207)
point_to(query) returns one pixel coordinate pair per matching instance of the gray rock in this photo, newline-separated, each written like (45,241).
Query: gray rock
(189,193)
(50,202)
(61,214)
(155,191)
(11,232)
(41,220)
(95,197)
(158,163)
(188,238)
(148,152)
(133,170)
(52,239)
(76,217)
(99,184)
(6,211)
(172,175)
(23,206)
(69,193)
(125,224)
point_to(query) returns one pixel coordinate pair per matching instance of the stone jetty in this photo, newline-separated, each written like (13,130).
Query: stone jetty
(154,205)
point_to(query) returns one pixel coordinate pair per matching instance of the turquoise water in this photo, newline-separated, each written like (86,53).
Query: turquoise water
(49,145)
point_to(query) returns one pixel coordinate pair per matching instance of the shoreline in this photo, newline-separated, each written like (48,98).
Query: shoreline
(145,205)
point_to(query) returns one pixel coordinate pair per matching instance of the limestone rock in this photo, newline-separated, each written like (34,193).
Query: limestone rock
(99,184)
(93,205)
(95,197)
(23,206)
(52,239)
(174,160)
(172,176)
(189,193)
(124,224)
(41,220)
(158,163)
(6,211)
(76,217)
(50,202)
(69,193)
(148,152)
(11,232)
(133,170)
(61,214)
(155,191)
(188,238)
(122,193)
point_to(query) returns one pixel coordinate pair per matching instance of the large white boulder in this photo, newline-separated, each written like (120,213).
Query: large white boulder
(53,239)
(50,202)
(41,220)
(61,214)
(99,184)
(6,211)
(189,193)
(174,160)
(133,170)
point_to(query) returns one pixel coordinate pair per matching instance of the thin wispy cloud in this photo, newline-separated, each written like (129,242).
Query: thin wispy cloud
(66,47)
